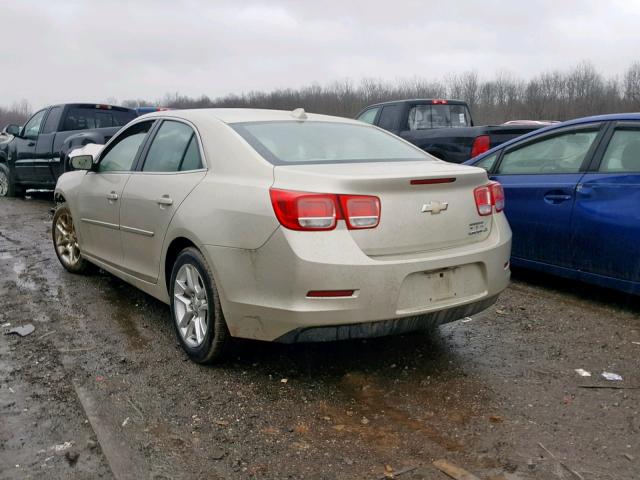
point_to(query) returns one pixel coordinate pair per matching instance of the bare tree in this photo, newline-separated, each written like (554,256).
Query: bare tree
(556,95)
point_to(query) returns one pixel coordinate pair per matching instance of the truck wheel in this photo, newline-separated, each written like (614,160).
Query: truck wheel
(8,188)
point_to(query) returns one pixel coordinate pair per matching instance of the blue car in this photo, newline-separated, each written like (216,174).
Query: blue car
(573,198)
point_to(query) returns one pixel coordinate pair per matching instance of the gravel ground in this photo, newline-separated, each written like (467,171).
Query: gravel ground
(101,389)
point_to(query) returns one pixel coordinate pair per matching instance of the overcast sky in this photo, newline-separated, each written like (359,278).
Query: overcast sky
(85,50)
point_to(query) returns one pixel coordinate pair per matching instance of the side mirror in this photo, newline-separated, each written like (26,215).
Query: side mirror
(13,129)
(82,162)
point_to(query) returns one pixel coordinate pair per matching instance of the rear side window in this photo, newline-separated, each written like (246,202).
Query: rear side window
(191,159)
(389,117)
(563,153)
(84,118)
(623,152)
(53,120)
(174,148)
(120,155)
(487,162)
(369,116)
(286,142)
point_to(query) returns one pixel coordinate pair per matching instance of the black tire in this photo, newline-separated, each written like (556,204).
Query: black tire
(11,189)
(80,265)
(217,335)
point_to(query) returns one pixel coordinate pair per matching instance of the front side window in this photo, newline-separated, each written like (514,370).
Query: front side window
(563,153)
(173,149)
(32,128)
(287,142)
(120,155)
(369,116)
(623,152)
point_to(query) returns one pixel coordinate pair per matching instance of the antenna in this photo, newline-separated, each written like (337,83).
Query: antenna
(299,114)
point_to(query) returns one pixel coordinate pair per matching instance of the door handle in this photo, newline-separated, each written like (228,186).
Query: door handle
(113,196)
(557,197)
(164,200)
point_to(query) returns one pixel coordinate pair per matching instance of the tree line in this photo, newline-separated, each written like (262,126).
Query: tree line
(555,95)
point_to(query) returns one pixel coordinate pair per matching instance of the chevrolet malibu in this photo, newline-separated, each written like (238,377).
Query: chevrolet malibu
(283,226)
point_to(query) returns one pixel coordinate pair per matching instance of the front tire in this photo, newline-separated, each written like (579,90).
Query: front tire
(65,242)
(195,308)
(8,187)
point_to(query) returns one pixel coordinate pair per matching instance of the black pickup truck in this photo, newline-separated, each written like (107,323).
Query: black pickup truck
(443,128)
(33,156)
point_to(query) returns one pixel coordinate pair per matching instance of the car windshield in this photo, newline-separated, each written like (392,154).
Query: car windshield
(324,142)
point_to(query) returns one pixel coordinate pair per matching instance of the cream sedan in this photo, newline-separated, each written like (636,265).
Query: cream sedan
(283,226)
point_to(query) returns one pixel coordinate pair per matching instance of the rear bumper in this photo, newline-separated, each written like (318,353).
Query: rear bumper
(263,292)
(383,328)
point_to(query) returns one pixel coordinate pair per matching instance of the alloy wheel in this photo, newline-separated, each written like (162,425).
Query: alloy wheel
(66,240)
(191,306)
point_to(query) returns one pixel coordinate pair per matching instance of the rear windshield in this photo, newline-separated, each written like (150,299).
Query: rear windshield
(83,118)
(324,142)
(423,117)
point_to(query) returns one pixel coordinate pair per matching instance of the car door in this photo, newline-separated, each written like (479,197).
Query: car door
(539,176)
(100,192)
(171,168)
(26,148)
(44,161)
(606,214)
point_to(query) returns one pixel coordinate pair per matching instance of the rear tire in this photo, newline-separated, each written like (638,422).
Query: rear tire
(65,242)
(195,308)
(8,187)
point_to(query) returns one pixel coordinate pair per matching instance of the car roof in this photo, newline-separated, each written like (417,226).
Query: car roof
(239,115)
(415,100)
(91,105)
(612,117)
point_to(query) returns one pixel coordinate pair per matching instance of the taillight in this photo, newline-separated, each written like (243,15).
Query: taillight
(489,196)
(483,200)
(304,211)
(321,211)
(480,145)
(497,196)
(360,211)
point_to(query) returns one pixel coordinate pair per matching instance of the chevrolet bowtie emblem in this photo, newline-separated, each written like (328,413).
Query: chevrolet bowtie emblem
(435,207)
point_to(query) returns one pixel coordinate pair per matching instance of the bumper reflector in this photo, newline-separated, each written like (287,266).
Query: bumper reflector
(330,293)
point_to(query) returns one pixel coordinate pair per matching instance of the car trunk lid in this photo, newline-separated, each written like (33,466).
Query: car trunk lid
(425,205)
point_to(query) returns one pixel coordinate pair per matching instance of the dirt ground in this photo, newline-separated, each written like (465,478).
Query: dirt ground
(101,388)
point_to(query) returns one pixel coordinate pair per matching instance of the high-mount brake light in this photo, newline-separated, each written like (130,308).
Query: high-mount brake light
(439,102)
(321,211)
(487,197)
(432,181)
